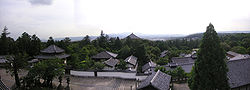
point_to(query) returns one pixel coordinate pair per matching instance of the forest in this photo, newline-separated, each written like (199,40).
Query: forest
(26,46)
(81,51)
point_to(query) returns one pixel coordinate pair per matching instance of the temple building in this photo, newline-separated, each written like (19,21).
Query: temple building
(52,52)
(133,36)
(131,63)
(156,81)
(104,55)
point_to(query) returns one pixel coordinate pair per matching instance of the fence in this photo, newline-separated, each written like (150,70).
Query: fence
(122,75)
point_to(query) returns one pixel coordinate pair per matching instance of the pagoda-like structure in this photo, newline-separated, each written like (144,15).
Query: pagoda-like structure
(52,52)
(133,36)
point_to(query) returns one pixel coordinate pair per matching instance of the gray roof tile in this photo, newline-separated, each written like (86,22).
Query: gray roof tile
(104,55)
(52,49)
(111,62)
(131,59)
(133,36)
(239,72)
(158,80)
(148,65)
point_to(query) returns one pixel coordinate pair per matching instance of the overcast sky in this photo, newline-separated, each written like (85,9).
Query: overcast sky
(62,18)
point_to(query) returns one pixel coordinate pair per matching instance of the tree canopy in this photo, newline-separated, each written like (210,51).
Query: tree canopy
(210,69)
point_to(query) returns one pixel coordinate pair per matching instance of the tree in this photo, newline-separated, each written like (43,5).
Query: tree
(118,44)
(47,70)
(162,61)
(24,43)
(152,52)
(122,65)
(85,41)
(210,69)
(5,42)
(248,50)
(98,66)
(225,46)
(35,45)
(50,41)
(239,49)
(124,52)
(161,68)
(140,53)
(18,62)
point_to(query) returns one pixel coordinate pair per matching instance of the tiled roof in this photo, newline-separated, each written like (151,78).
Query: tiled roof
(111,62)
(186,67)
(148,65)
(131,59)
(133,36)
(240,56)
(158,80)
(33,61)
(232,53)
(52,49)
(182,60)
(104,55)
(239,72)
(164,53)
(3,59)
(60,56)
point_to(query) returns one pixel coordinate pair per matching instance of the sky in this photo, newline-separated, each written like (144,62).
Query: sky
(71,18)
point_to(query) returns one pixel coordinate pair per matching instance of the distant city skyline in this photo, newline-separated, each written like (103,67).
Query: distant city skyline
(71,18)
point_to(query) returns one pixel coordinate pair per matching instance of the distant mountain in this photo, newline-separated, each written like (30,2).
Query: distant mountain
(154,36)
(149,36)
(222,33)
(75,38)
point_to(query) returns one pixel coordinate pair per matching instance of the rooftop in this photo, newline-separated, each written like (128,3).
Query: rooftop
(131,59)
(104,55)
(111,62)
(182,60)
(239,72)
(133,36)
(148,65)
(158,80)
(52,49)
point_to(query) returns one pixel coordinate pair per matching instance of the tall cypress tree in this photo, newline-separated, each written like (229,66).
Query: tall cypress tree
(210,69)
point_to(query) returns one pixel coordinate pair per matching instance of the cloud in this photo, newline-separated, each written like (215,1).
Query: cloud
(41,2)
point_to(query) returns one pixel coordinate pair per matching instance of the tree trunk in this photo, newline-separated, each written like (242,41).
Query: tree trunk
(16,77)
(95,73)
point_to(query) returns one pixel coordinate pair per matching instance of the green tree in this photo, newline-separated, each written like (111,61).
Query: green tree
(85,41)
(210,69)
(118,44)
(47,70)
(225,46)
(50,41)
(162,61)
(239,49)
(24,43)
(152,52)
(140,53)
(35,45)
(18,62)
(98,66)
(124,52)
(161,68)
(248,50)
(122,65)
(6,42)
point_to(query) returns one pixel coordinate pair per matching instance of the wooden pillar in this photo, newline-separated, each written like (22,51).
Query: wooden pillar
(95,73)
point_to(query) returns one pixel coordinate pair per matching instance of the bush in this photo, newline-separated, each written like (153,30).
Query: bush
(162,61)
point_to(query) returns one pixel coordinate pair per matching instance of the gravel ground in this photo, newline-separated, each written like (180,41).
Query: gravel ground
(181,86)
(81,83)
